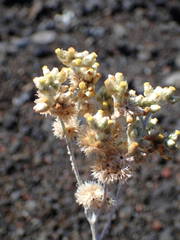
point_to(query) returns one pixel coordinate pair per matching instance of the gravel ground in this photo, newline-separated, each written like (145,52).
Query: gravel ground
(141,39)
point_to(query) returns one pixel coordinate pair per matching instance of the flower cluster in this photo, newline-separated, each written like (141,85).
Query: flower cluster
(153,98)
(115,127)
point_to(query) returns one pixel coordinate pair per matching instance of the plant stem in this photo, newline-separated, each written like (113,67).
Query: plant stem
(93,231)
(108,223)
(110,215)
(92,217)
(71,155)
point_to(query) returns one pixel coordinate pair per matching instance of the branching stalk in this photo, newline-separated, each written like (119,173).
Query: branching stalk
(91,217)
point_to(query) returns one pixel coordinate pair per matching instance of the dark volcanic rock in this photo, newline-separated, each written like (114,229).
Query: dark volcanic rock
(42,51)
(10,121)
(175,13)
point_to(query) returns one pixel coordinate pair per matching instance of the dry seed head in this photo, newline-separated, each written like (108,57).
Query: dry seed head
(86,106)
(71,128)
(110,171)
(90,195)
(64,109)
(88,141)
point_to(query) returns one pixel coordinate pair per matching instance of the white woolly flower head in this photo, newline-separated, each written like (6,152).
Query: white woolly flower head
(116,85)
(173,139)
(99,120)
(71,128)
(50,79)
(90,195)
(72,58)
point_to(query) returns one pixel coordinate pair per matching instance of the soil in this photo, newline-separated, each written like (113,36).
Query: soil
(137,37)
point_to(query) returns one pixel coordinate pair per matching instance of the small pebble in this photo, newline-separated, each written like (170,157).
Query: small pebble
(157,225)
(30,205)
(43,37)
(166,172)
(42,51)
(20,42)
(119,30)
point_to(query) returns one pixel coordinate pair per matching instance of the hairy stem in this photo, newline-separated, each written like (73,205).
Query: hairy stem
(71,155)
(92,217)
(93,231)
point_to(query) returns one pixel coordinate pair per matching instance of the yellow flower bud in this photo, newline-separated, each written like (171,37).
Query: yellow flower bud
(172,88)
(90,119)
(76,62)
(132,147)
(58,51)
(123,84)
(90,93)
(87,115)
(105,103)
(95,65)
(119,76)
(177,132)
(71,50)
(42,80)
(147,88)
(110,122)
(82,85)
(101,112)
(161,136)
(94,54)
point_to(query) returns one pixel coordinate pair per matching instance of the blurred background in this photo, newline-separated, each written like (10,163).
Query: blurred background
(137,37)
